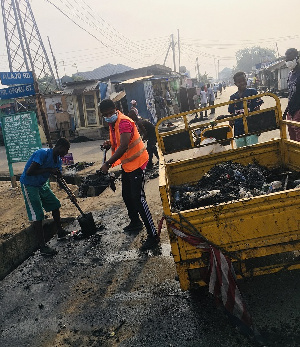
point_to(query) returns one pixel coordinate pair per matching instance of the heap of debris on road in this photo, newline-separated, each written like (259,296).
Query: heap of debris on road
(229,181)
(95,184)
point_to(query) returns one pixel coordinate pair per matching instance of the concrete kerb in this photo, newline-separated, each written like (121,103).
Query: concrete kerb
(19,247)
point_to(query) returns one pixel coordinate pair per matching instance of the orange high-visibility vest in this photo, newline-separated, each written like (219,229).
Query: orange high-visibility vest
(136,154)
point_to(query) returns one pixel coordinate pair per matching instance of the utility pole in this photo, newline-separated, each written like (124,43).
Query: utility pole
(173,47)
(218,69)
(277,50)
(197,64)
(215,68)
(178,51)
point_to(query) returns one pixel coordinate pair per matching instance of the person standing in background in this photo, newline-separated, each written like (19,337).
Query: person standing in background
(215,88)
(237,108)
(292,111)
(134,107)
(220,87)
(203,98)
(147,130)
(210,97)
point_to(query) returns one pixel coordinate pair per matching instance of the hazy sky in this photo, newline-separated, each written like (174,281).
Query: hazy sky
(137,32)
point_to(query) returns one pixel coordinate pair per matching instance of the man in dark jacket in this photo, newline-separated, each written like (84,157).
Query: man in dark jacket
(240,81)
(147,130)
(292,111)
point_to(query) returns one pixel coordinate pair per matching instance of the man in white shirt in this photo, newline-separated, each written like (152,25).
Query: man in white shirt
(210,97)
(203,98)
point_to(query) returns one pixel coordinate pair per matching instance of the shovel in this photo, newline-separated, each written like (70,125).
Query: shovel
(86,220)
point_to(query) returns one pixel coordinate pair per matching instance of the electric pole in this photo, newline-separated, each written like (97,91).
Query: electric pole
(178,51)
(173,48)
(197,64)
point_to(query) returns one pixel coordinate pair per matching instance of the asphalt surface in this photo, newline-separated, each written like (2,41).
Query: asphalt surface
(103,291)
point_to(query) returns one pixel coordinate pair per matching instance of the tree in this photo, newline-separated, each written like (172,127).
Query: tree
(247,58)
(204,78)
(226,74)
(47,84)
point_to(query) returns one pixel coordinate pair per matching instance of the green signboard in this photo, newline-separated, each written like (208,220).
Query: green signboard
(21,136)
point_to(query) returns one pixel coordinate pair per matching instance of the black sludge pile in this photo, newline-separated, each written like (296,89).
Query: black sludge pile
(229,181)
(95,184)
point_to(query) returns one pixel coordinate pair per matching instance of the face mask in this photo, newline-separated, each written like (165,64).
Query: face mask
(111,119)
(291,64)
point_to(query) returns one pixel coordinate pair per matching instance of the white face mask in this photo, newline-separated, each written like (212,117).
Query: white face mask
(291,64)
(111,119)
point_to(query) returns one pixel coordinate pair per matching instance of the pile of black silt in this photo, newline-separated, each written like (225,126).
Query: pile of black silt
(79,166)
(229,181)
(98,182)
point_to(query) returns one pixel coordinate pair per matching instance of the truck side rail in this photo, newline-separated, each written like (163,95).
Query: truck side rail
(187,134)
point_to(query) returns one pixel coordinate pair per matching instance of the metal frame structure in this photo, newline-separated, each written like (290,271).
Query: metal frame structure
(24,45)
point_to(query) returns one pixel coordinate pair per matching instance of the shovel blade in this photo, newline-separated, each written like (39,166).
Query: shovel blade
(87,224)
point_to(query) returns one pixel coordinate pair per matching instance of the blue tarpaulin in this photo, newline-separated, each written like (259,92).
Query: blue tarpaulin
(102,89)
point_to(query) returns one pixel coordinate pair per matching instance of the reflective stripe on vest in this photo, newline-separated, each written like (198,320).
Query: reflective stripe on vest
(134,156)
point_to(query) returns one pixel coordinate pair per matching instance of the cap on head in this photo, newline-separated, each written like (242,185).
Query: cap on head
(133,102)
(106,105)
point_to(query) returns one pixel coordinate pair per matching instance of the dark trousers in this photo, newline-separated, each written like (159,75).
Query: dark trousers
(151,149)
(201,113)
(210,104)
(135,199)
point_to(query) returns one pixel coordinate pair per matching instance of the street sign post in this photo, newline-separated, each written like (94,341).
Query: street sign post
(21,138)
(17,91)
(11,78)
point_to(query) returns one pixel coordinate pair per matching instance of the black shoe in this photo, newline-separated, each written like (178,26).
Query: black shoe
(133,226)
(151,242)
(62,234)
(48,251)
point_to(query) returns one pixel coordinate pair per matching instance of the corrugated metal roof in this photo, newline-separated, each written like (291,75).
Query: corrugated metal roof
(80,88)
(104,71)
(132,80)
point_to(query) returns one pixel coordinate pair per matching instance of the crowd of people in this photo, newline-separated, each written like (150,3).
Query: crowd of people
(207,96)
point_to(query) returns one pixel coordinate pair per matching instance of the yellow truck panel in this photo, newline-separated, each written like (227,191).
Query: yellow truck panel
(261,234)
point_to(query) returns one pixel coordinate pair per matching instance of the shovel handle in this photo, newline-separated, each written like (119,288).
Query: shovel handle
(69,192)
(104,156)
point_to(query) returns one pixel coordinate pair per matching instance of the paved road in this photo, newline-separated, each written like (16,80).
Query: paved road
(103,291)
